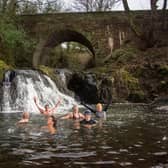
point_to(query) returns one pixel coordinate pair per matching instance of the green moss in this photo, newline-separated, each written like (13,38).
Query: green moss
(163,70)
(163,85)
(124,55)
(128,79)
(3,68)
(102,69)
(46,70)
(137,96)
(138,71)
(106,69)
(131,84)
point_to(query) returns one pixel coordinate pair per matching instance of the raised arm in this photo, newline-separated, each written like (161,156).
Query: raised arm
(92,110)
(57,104)
(41,109)
(67,116)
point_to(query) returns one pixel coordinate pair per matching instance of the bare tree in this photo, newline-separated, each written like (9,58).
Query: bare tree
(126,7)
(3,5)
(147,35)
(51,6)
(94,5)
(30,6)
(12,6)
(164,14)
(133,26)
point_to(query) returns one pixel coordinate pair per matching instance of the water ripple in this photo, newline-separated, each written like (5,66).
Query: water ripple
(96,163)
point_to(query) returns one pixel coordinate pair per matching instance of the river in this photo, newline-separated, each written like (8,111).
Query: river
(131,136)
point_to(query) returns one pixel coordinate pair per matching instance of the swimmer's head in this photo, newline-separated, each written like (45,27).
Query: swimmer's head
(46,107)
(52,121)
(75,109)
(25,115)
(99,107)
(88,115)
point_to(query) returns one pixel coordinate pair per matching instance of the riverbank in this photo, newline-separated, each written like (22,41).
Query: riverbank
(130,75)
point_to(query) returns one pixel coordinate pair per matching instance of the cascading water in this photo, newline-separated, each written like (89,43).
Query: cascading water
(27,84)
(6,92)
(62,75)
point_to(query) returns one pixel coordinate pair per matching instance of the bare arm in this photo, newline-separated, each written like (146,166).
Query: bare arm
(81,115)
(57,104)
(41,109)
(23,121)
(67,116)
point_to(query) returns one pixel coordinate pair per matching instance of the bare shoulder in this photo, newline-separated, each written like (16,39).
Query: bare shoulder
(70,114)
(23,121)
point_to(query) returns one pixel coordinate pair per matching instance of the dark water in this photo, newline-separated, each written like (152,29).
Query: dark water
(132,136)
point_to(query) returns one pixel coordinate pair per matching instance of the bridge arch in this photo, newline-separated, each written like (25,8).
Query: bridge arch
(61,36)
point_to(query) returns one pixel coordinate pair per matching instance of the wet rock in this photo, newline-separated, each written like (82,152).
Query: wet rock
(160,104)
(94,87)
(84,86)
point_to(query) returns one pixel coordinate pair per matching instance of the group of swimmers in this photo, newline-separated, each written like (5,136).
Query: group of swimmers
(83,118)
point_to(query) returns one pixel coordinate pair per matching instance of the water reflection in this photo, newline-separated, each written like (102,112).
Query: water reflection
(130,137)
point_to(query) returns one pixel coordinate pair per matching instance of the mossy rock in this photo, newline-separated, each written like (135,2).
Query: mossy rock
(163,70)
(48,71)
(51,73)
(137,96)
(128,79)
(3,67)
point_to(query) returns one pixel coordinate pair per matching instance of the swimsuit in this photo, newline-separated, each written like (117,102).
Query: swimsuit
(90,122)
(76,118)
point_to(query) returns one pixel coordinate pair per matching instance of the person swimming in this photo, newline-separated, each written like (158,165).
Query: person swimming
(75,114)
(88,121)
(100,112)
(25,118)
(46,110)
(51,125)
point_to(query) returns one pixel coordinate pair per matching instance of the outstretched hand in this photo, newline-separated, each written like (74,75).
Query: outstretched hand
(35,99)
(59,100)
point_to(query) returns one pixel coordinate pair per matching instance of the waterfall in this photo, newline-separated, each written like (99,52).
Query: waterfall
(6,92)
(63,73)
(18,96)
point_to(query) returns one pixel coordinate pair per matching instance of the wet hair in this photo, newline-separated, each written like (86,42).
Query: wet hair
(75,106)
(54,121)
(25,115)
(46,105)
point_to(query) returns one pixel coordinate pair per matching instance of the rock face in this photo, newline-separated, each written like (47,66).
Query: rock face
(84,86)
(93,88)
(160,105)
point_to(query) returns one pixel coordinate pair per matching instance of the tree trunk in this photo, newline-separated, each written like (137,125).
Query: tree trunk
(133,26)
(12,7)
(153,5)
(164,15)
(148,34)
(4,6)
(154,15)
(126,7)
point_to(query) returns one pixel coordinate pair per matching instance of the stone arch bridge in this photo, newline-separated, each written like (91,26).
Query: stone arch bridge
(98,31)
